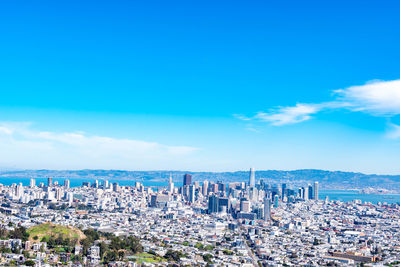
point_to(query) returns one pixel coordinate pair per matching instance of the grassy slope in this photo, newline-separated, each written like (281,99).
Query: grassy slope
(50,229)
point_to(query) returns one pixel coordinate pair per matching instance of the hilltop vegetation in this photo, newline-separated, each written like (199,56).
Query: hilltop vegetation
(49,231)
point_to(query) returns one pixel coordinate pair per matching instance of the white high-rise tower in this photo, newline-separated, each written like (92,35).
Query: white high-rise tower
(252,181)
(170,185)
(316,190)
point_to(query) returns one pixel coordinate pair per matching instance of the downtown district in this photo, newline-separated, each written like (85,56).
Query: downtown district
(209,224)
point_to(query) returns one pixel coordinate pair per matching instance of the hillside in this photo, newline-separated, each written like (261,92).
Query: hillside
(47,230)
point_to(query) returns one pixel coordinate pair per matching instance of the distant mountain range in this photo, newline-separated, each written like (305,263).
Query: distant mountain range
(327,179)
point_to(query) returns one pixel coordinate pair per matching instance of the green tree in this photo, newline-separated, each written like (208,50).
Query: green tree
(29,263)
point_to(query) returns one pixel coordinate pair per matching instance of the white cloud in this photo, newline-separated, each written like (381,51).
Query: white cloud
(28,148)
(242,117)
(377,98)
(289,115)
(393,132)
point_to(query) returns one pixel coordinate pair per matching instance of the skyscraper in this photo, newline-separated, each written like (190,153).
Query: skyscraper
(115,187)
(310,192)
(252,180)
(267,209)
(306,194)
(49,181)
(187,179)
(32,183)
(316,190)
(191,193)
(245,205)
(205,188)
(276,201)
(213,204)
(66,183)
(170,184)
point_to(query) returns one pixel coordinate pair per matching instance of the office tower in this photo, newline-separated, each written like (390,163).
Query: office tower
(191,193)
(245,205)
(66,183)
(32,183)
(253,194)
(170,184)
(223,204)
(284,190)
(196,184)
(213,204)
(301,192)
(70,198)
(262,184)
(267,209)
(252,180)
(187,179)
(96,183)
(306,194)
(19,190)
(214,188)
(105,184)
(49,181)
(316,190)
(115,187)
(276,201)
(59,193)
(205,188)
(221,187)
(310,192)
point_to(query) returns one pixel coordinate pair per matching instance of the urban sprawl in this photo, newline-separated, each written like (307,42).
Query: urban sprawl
(197,224)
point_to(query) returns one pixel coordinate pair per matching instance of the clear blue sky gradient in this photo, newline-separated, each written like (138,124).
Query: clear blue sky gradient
(175,72)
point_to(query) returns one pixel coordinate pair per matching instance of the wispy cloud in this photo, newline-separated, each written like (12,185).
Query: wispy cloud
(19,143)
(377,98)
(288,115)
(393,131)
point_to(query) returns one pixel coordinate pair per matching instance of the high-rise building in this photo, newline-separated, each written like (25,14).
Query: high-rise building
(19,190)
(213,204)
(316,190)
(70,198)
(205,188)
(276,201)
(191,193)
(267,209)
(221,187)
(187,179)
(224,204)
(310,192)
(115,187)
(49,181)
(32,183)
(66,183)
(96,183)
(170,185)
(284,191)
(306,194)
(252,179)
(301,192)
(105,184)
(59,193)
(245,205)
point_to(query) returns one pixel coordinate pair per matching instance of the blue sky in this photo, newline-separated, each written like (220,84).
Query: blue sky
(200,85)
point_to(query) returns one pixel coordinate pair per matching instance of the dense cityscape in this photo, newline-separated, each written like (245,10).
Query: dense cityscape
(207,224)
